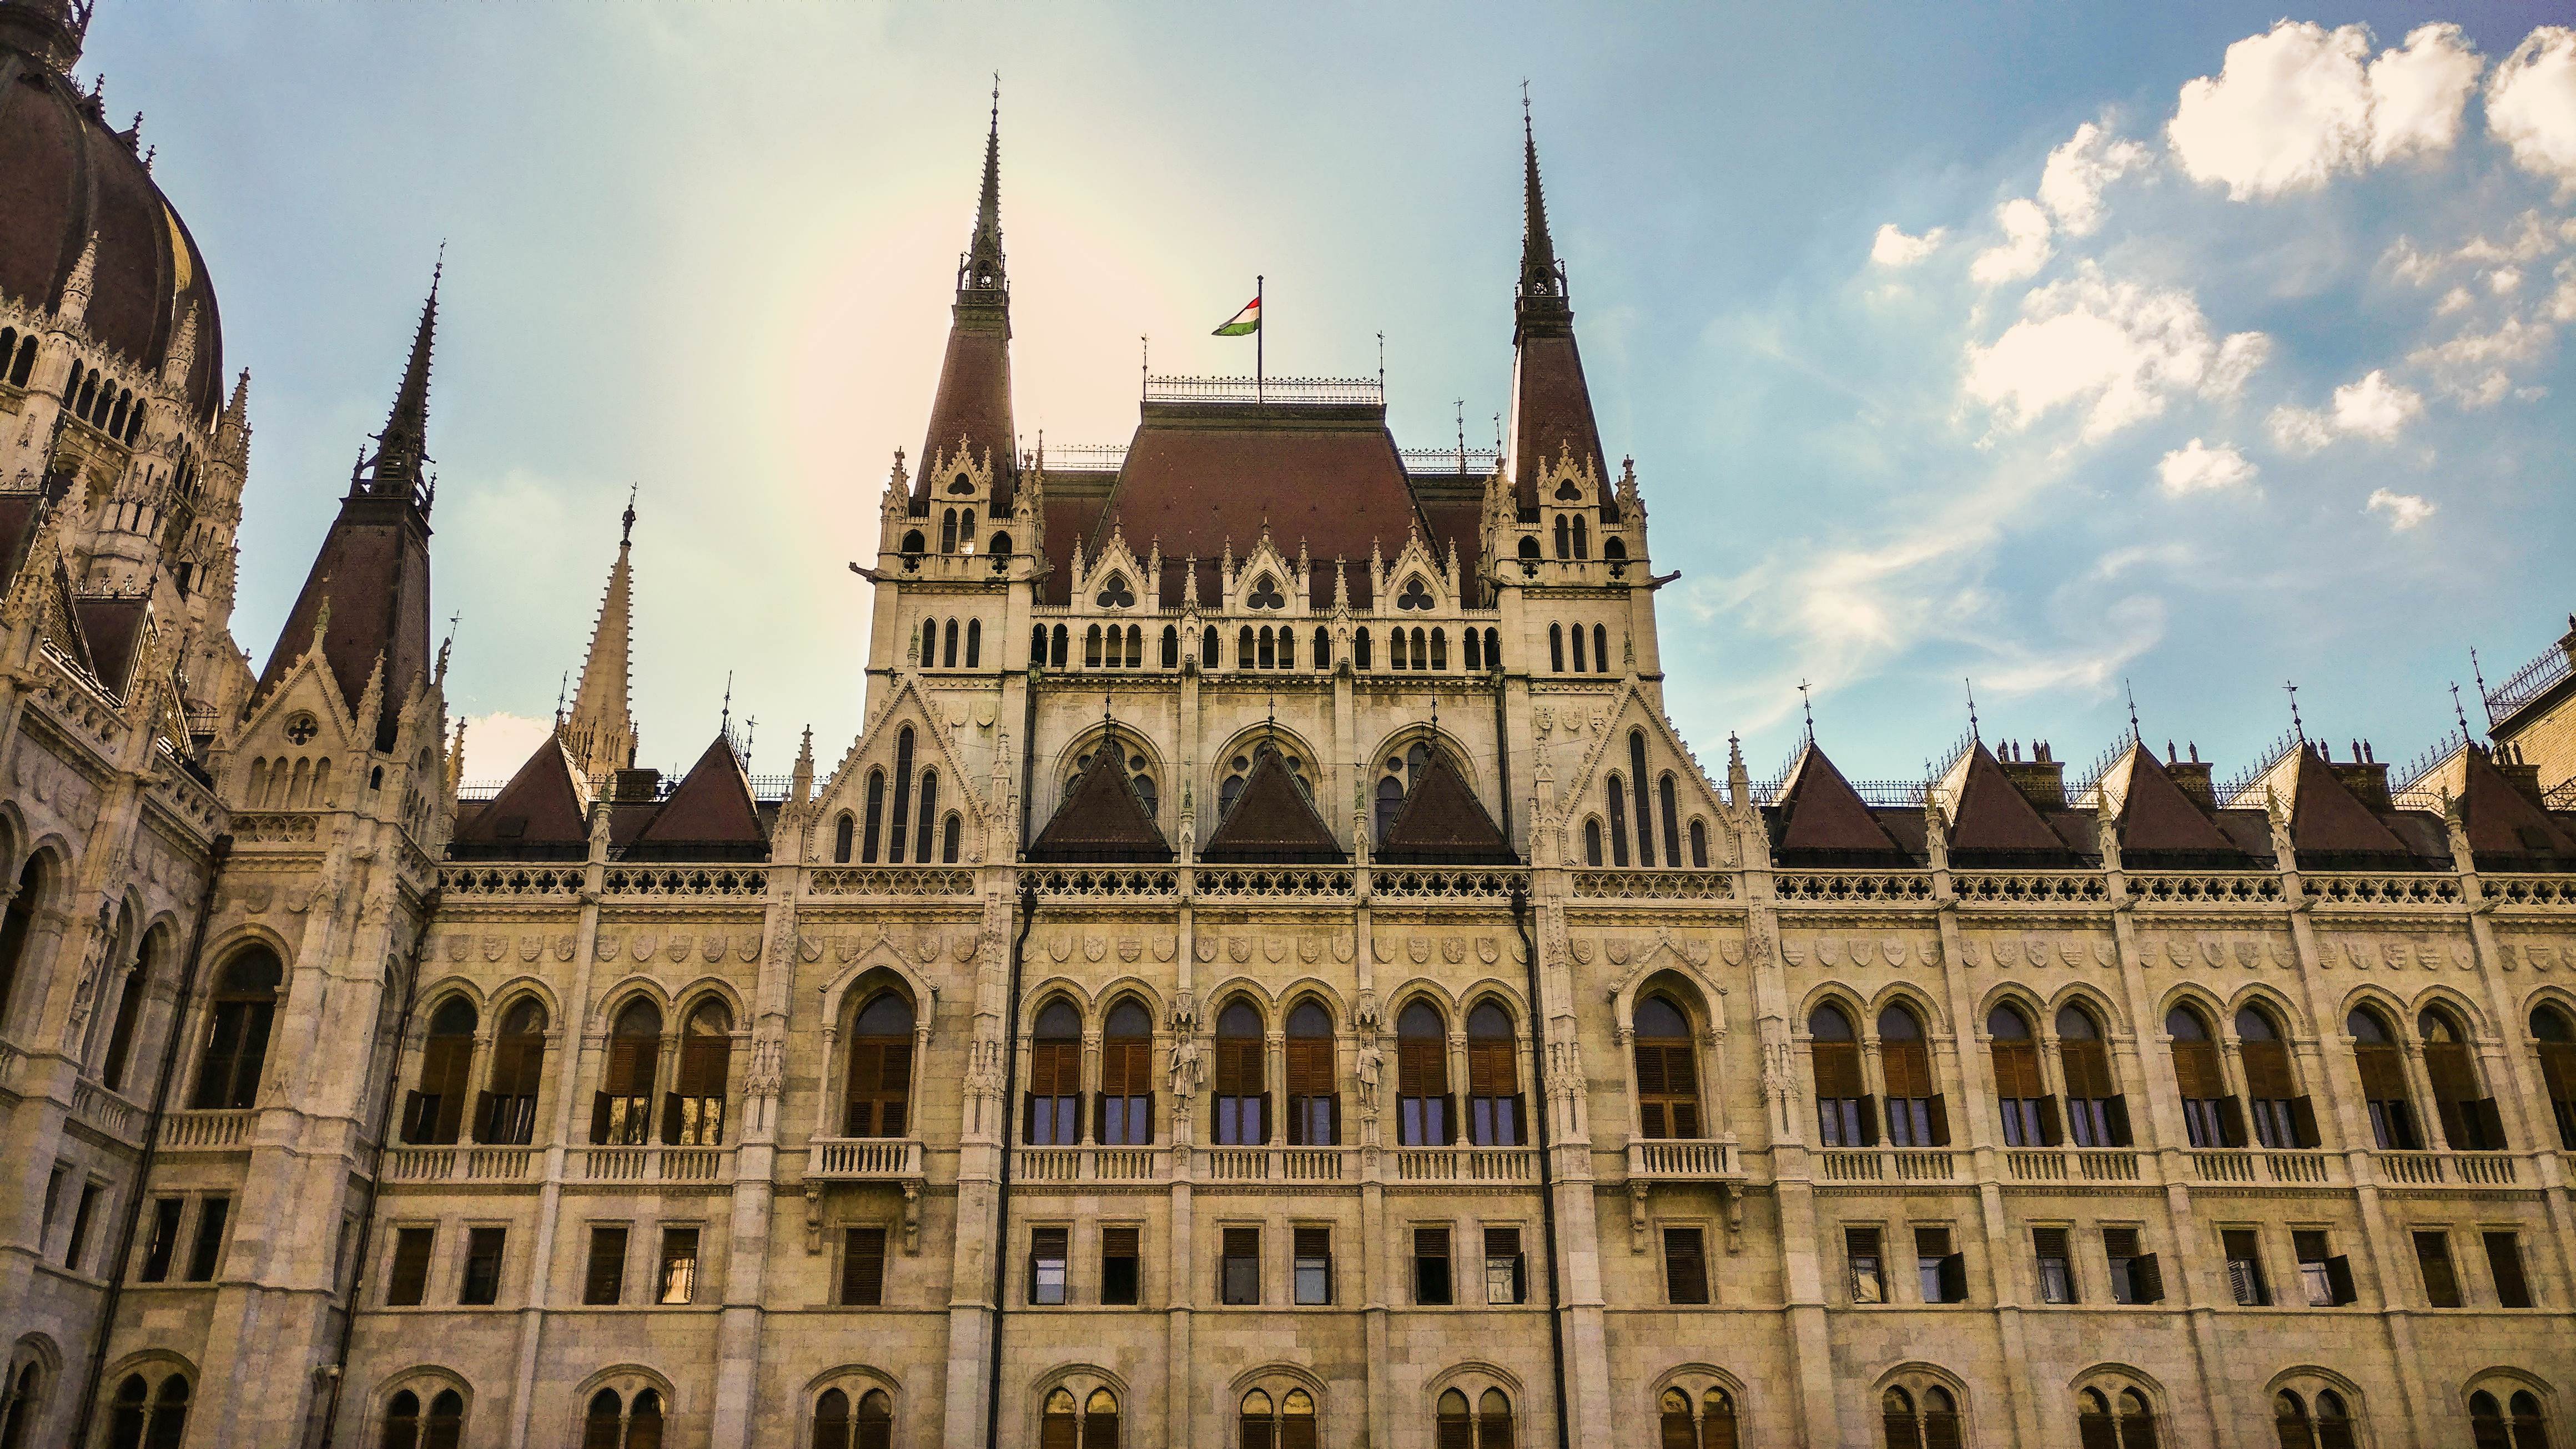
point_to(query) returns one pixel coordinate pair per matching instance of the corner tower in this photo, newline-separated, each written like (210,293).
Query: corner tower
(969,457)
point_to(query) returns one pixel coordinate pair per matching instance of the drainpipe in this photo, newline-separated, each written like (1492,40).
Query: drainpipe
(376,1169)
(1002,1208)
(1546,1172)
(220,851)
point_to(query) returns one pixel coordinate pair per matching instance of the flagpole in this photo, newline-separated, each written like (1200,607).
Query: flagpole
(1257,337)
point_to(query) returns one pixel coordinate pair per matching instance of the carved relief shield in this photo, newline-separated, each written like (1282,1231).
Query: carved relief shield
(1238,949)
(1829,950)
(1205,949)
(643,947)
(1893,950)
(2070,950)
(809,947)
(845,949)
(1419,949)
(1274,949)
(1487,950)
(1166,947)
(1732,949)
(1384,953)
(605,948)
(495,946)
(564,945)
(457,946)
(2429,956)
(1793,951)
(1309,950)
(1453,949)
(1972,950)
(1060,946)
(2394,953)
(1581,949)
(748,947)
(531,947)
(1094,948)
(2213,951)
(2247,954)
(2034,949)
(679,946)
(1862,949)
(1131,949)
(1617,948)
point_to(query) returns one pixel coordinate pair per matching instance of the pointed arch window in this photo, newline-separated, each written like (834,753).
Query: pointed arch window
(902,794)
(1845,1116)
(1667,1071)
(844,831)
(1600,649)
(1171,647)
(1208,648)
(1713,1428)
(1100,1420)
(1439,647)
(1645,819)
(1244,657)
(1579,666)
(1917,1114)
(1360,649)
(877,1100)
(2555,1039)
(2282,1117)
(2518,1423)
(243,1006)
(952,834)
(1699,845)
(1592,841)
(2097,1115)
(1314,1101)
(1474,649)
(1242,1098)
(1269,649)
(1564,537)
(2327,1426)
(621,1114)
(876,817)
(2030,1117)
(948,531)
(1423,1104)
(1665,798)
(434,1112)
(1037,646)
(2470,1121)
(22,1392)
(2102,1422)
(1091,647)
(1618,792)
(1322,657)
(1051,1112)
(144,1418)
(129,1009)
(2383,1080)
(948,647)
(2210,1114)
(1582,539)
(1556,647)
(507,1113)
(1493,1078)
(610,1423)
(1929,1423)
(930,643)
(974,642)
(1124,1115)
(1055,648)
(693,1113)
(929,811)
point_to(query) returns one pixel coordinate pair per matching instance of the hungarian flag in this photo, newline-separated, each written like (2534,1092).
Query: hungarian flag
(1244,322)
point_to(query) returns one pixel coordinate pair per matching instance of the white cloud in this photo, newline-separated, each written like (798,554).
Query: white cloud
(497,744)
(2198,468)
(2115,349)
(2071,185)
(2561,306)
(2024,249)
(2476,368)
(1893,248)
(2292,108)
(2535,237)
(2531,104)
(2404,510)
(2373,408)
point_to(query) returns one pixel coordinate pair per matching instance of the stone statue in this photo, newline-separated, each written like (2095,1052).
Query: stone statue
(1185,1070)
(1372,1066)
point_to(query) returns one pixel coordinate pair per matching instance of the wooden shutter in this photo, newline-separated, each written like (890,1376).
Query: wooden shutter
(605,1280)
(1940,1429)
(2231,1122)
(704,1063)
(1940,1115)
(1837,1068)
(444,1069)
(2339,1280)
(1127,1066)
(409,1281)
(2441,1280)
(2115,1120)
(1685,1267)
(2267,1071)
(1493,1069)
(2490,1124)
(2558,1069)
(1421,1067)
(2017,1069)
(1676,1429)
(630,1064)
(1310,1066)
(2383,1073)
(1717,1425)
(1650,1091)
(2504,1265)
(2095,1430)
(1908,1068)
(2052,1128)
(1055,1068)
(2196,1070)
(2088,1068)
(1456,1431)
(517,1063)
(1058,1431)
(1238,1066)
(863,1267)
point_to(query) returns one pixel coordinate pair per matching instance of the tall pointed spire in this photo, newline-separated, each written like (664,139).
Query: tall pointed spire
(970,415)
(599,734)
(402,449)
(1552,428)
(981,271)
(1542,279)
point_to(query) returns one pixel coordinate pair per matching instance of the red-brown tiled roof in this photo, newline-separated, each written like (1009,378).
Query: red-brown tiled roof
(1821,815)
(711,806)
(2326,819)
(973,403)
(1272,820)
(2502,821)
(374,569)
(2156,816)
(542,806)
(114,628)
(1552,414)
(1989,814)
(1102,818)
(1443,820)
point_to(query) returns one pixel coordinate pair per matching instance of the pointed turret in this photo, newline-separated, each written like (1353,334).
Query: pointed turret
(600,731)
(368,592)
(1556,446)
(970,416)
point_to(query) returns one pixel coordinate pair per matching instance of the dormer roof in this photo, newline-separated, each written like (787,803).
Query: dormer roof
(1821,820)
(541,813)
(2506,830)
(711,812)
(1102,817)
(1273,820)
(2157,818)
(2329,826)
(1990,817)
(1442,821)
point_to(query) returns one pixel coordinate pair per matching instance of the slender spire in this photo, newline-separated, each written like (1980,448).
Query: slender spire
(970,413)
(402,449)
(1541,278)
(600,731)
(982,269)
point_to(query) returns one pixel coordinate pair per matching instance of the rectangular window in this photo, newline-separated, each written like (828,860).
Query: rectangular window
(1506,1270)
(2441,1280)
(1121,1266)
(603,1283)
(207,1252)
(53,1197)
(1047,1247)
(482,1281)
(2504,1263)
(2056,1267)
(82,1216)
(863,1267)
(1239,1271)
(679,1275)
(163,1241)
(1431,1266)
(1314,1108)
(2135,1277)
(2245,1267)
(407,1285)
(1944,1273)
(1868,1282)
(1685,1267)
(2325,1275)
(1313,1249)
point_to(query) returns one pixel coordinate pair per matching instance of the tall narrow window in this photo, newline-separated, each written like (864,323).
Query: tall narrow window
(2096,1114)
(1600,650)
(480,1285)
(1618,822)
(1239,1269)
(2056,1267)
(1493,1078)
(2029,1113)
(1582,540)
(1100,1420)
(1208,649)
(1556,648)
(1314,1105)
(434,1112)
(1917,1115)
(129,1012)
(1685,1267)
(2210,1114)
(1699,844)
(407,1283)
(1941,1268)
(2282,1117)
(243,1004)
(163,1242)
(206,1253)
(1506,1267)
(1867,1267)
(974,642)
(2383,1080)
(929,812)
(507,1112)
(843,832)
(604,1280)
(863,1252)
(1667,1072)
(1592,842)
(1121,1266)
(1454,1427)
(621,1115)
(1669,803)
(879,1098)
(1126,1109)
(693,1114)
(1259,1418)
(1242,1096)
(1047,1249)
(2504,1265)
(2556,1041)
(1493,1420)
(948,647)
(902,794)
(1053,1108)
(2433,1261)
(677,1282)
(1645,813)
(1312,1265)
(402,1422)
(1579,666)
(1431,1271)
(1843,1110)
(1055,648)
(2245,1267)
(1422,1077)
(876,817)
(2470,1122)
(1475,651)
(1564,537)
(15,923)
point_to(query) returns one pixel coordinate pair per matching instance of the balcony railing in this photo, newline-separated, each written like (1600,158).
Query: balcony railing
(462,1163)
(2433,1169)
(1680,1161)
(863,1159)
(1268,392)
(214,1131)
(1889,1164)
(1466,1164)
(650,1164)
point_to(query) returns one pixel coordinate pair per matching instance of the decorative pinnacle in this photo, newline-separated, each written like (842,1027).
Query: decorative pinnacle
(1538,251)
(983,267)
(2461,712)
(2134,736)
(1807,705)
(626,533)
(2296,727)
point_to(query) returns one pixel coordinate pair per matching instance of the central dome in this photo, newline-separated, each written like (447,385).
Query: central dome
(64,175)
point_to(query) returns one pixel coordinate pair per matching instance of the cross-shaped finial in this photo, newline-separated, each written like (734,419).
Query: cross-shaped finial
(725,721)
(1972,705)
(2296,727)
(561,690)
(2133,711)
(1104,704)
(1808,705)
(2461,712)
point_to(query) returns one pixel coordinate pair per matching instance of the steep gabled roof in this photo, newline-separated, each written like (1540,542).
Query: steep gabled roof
(2502,823)
(2156,817)
(2328,821)
(1822,818)
(114,629)
(1272,820)
(1989,814)
(1102,818)
(541,812)
(712,807)
(1442,820)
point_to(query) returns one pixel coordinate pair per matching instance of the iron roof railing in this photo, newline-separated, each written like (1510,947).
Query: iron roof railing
(2530,682)
(1472,461)
(1082,457)
(2239,784)
(1271,392)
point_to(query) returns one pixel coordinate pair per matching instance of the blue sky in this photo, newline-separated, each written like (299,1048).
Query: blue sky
(2259,378)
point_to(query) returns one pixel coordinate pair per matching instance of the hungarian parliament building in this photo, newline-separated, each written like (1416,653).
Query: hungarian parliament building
(1268,974)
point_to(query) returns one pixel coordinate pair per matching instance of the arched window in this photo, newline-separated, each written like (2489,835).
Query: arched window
(832,1420)
(876,817)
(1715,1422)
(22,1392)
(948,531)
(2555,1039)
(1287,647)
(902,794)
(1475,650)
(2383,1080)
(1439,647)
(1582,540)
(1052,1109)
(1645,815)
(1390,803)
(2470,1122)
(1454,1426)
(1208,648)
(1579,665)
(2097,1115)
(930,643)
(1314,1097)
(1672,820)
(1844,1115)
(2029,1113)
(1493,1420)
(1171,647)
(621,1115)
(929,812)
(878,1100)
(1600,649)
(2282,1118)
(912,543)
(26,362)
(1917,1114)
(435,1111)
(1556,647)
(1059,1426)
(1618,822)
(244,1004)
(693,1115)
(1667,1071)
(836,1427)
(948,647)
(2328,1427)
(844,837)
(1037,646)
(2102,1423)
(1529,547)
(1269,650)
(1564,537)
(507,1115)
(1359,649)
(1244,657)
(2519,1423)
(607,1424)
(1699,845)
(974,642)
(1931,1424)
(1100,1420)
(952,835)
(1055,648)
(1422,1077)
(1091,647)
(1259,1418)
(2210,1114)
(1493,1078)
(129,1014)
(1242,1096)
(1126,1112)
(1592,841)
(141,1418)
